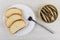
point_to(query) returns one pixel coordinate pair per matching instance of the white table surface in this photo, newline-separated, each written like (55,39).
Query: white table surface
(38,33)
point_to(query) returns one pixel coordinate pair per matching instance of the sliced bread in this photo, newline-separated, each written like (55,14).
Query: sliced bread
(13,11)
(18,25)
(11,19)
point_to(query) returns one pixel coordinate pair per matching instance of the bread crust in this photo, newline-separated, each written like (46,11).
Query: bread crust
(20,28)
(14,13)
(13,21)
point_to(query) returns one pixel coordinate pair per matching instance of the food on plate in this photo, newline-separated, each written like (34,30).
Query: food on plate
(14,20)
(16,26)
(13,11)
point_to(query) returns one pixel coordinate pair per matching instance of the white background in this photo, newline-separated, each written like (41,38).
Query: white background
(37,33)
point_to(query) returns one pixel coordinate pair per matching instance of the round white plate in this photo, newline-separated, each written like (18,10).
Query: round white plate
(26,13)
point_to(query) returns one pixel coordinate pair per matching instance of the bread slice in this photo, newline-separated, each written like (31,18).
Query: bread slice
(11,19)
(13,11)
(18,25)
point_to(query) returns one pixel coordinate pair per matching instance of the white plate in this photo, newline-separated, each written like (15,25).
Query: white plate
(26,13)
